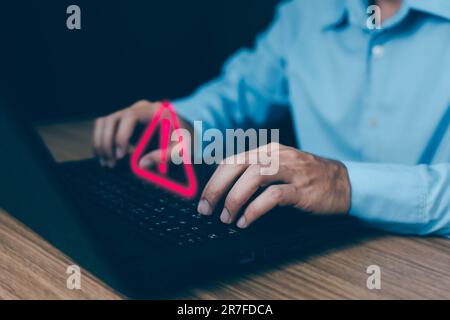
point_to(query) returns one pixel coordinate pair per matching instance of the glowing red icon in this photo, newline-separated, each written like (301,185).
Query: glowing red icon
(167,120)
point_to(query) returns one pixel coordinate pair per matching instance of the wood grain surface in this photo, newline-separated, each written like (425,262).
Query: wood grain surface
(411,268)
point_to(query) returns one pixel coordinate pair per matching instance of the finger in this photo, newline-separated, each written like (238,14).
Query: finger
(219,183)
(151,159)
(108,136)
(155,157)
(275,195)
(124,132)
(247,184)
(97,139)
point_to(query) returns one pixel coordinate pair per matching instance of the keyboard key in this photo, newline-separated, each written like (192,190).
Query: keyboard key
(173,219)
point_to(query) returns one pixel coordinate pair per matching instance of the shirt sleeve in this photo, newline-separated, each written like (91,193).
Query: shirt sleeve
(251,91)
(402,199)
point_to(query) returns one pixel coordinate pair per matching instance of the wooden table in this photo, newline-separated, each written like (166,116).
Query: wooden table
(411,268)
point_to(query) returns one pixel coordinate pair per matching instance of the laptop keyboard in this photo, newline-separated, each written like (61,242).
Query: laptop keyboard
(171,219)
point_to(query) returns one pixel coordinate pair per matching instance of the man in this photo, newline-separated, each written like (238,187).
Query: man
(375,100)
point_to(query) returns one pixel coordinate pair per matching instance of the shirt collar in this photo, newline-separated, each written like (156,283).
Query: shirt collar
(335,15)
(355,11)
(440,8)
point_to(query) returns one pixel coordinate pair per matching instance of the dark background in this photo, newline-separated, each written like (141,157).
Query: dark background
(126,51)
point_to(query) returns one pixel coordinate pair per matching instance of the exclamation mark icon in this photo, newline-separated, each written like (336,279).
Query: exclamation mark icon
(165,123)
(164,144)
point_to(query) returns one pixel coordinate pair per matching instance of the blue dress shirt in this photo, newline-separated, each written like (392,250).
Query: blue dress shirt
(378,100)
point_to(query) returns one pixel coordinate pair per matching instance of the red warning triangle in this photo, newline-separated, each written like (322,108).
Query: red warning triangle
(160,178)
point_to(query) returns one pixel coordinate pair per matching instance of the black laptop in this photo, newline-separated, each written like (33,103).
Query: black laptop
(142,241)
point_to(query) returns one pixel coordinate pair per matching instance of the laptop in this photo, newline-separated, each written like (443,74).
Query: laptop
(140,240)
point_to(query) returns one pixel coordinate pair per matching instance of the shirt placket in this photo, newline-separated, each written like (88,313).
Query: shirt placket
(372,120)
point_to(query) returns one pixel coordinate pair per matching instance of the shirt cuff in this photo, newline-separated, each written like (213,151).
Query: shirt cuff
(392,197)
(183,109)
(187,109)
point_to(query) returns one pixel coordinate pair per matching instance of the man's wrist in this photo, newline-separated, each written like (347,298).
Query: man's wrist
(343,186)
(347,188)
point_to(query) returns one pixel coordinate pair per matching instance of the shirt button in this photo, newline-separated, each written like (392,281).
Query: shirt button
(378,51)
(373,122)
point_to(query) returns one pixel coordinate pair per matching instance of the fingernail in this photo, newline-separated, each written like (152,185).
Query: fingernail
(242,223)
(120,153)
(146,163)
(204,207)
(225,216)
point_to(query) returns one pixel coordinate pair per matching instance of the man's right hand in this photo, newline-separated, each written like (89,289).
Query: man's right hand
(112,133)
